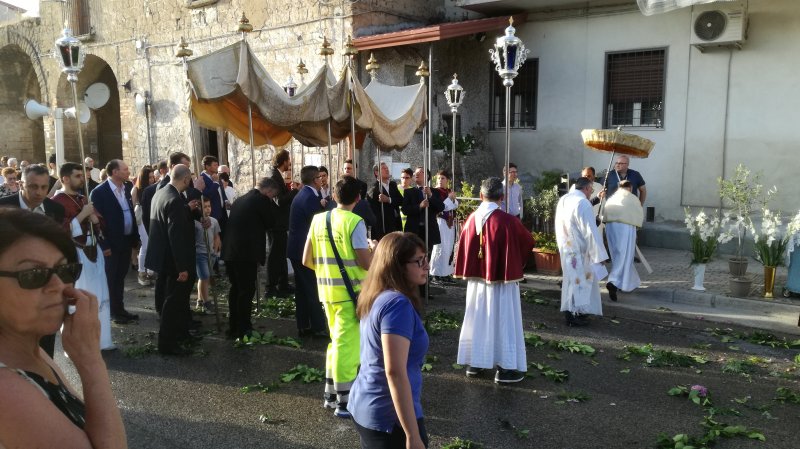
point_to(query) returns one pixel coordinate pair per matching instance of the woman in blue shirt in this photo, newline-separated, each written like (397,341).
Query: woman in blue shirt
(385,398)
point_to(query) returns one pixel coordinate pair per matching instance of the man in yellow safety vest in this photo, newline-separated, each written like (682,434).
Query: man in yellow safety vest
(339,269)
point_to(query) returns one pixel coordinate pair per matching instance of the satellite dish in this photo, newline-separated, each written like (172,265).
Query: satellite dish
(35,110)
(141,101)
(97,95)
(84,114)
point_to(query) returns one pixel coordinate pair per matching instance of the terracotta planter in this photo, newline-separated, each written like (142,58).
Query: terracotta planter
(547,263)
(737,265)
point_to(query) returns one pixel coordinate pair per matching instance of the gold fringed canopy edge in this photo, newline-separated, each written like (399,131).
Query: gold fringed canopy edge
(615,141)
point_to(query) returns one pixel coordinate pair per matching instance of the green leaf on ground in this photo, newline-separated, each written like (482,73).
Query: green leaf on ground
(303,373)
(458,443)
(439,320)
(550,373)
(262,387)
(783,394)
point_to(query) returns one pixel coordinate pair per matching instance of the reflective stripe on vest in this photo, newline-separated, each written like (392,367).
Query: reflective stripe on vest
(330,284)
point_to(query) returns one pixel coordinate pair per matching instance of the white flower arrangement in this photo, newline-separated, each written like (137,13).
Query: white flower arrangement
(706,233)
(769,245)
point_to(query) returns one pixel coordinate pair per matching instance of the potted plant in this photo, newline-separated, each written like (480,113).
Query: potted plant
(467,203)
(545,254)
(741,193)
(770,247)
(705,233)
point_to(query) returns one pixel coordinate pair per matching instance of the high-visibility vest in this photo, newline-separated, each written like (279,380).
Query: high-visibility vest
(330,284)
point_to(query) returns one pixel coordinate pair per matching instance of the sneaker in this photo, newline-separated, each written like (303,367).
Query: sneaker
(144,280)
(508,376)
(473,372)
(341,412)
(612,291)
(209,306)
(329,404)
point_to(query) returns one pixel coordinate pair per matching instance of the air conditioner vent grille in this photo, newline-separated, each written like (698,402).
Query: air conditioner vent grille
(710,25)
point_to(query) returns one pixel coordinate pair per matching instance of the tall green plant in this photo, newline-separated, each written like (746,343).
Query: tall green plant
(543,207)
(742,193)
(466,205)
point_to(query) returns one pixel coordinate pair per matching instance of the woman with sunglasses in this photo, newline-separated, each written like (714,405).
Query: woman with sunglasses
(38,266)
(385,398)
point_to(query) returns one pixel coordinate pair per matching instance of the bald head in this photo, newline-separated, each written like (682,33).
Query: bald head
(180,177)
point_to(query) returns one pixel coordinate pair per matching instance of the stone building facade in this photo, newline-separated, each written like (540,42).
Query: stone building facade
(131,49)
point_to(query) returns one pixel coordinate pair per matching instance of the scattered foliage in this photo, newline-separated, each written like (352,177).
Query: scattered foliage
(276,307)
(661,357)
(262,387)
(303,373)
(267,338)
(507,425)
(439,320)
(550,373)
(458,443)
(784,395)
(577,396)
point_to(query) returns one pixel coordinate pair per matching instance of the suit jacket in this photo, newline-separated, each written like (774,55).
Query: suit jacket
(391,211)
(284,197)
(214,192)
(304,206)
(105,202)
(146,200)
(170,248)
(51,208)
(415,222)
(252,215)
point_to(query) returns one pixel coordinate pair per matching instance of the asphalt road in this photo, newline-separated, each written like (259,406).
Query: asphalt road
(196,402)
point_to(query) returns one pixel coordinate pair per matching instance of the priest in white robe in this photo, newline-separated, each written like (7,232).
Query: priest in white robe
(441,255)
(582,253)
(492,250)
(623,215)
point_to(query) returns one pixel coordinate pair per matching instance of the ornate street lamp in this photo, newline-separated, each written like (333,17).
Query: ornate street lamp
(455,96)
(508,55)
(290,87)
(70,59)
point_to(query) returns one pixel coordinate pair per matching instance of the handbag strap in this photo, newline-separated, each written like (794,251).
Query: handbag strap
(342,271)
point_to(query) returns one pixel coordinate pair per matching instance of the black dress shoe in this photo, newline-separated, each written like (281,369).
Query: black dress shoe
(130,316)
(120,319)
(320,335)
(574,320)
(174,350)
(612,291)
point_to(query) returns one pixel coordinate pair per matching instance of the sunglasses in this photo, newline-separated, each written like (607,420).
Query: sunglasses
(39,277)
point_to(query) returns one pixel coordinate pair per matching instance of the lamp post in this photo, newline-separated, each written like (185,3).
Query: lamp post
(455,96)
(71,56)
(508,55)
(70,59)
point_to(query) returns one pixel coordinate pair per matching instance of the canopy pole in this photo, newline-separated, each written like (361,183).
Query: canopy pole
(380,187)
(330,149)
(426,152)
(351,150)
(605,184)
(252,150)
(506,199)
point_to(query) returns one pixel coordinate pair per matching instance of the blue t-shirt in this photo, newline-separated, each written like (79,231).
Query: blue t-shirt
(632,175)
(370,400)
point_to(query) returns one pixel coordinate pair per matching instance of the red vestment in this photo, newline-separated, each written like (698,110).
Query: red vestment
(72,207)
(505,249)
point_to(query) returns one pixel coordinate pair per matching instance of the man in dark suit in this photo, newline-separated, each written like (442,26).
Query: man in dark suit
(33,196)
(252,215)
(192,198)
(385,199)
(277,270)
(173,257)
(308,202)
(112,200)
(349,169)
(415,201)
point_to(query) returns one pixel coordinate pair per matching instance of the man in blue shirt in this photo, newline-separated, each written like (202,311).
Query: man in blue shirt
(621,172)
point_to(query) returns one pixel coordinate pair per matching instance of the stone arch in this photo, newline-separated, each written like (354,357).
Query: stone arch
(102,135)
(23,137)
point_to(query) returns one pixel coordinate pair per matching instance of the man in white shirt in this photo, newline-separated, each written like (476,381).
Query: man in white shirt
(514,191)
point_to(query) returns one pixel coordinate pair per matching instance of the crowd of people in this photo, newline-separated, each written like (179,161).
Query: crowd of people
(362,254)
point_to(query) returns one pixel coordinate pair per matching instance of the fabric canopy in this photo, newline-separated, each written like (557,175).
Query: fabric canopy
(650,7)
(226,81)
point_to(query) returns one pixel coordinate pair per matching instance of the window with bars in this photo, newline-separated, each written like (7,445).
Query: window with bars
(77,12)
(634,91)
(523,97)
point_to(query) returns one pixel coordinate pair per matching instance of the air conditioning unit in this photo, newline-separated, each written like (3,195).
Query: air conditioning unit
(720,24)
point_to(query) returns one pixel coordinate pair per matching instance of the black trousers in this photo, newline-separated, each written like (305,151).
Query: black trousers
(308,309)
(277,269)
(242,276)
(117,265)
(373,439)
(175,314)
(160,292)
